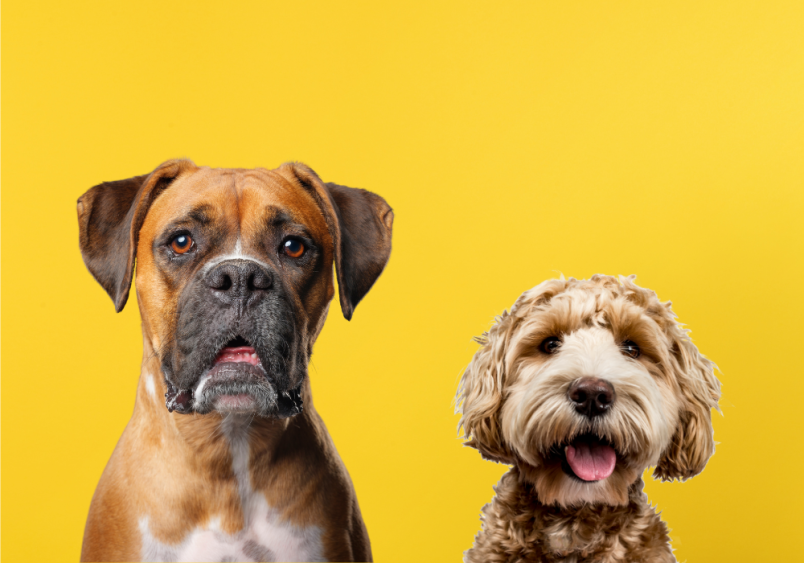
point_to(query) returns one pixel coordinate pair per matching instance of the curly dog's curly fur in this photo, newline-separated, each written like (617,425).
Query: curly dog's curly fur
(520,405)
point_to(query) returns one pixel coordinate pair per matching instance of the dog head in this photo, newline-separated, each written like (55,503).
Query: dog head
(583,385)
(234,273)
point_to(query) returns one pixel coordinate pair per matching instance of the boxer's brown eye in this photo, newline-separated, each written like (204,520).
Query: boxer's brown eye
(293,247)
(550,345)
(631,349)
(181,244)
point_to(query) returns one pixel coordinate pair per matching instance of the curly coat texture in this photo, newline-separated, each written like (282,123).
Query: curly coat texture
(518,528)
(515,410)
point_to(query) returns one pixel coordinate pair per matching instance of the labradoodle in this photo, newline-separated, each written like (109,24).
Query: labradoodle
(581,387)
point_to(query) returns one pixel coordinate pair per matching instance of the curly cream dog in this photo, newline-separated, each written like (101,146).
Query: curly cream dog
(583,385)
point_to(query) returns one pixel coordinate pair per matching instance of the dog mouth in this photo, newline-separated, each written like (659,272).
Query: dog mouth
(236,381)
(234,378)
(237,351)
(588,458)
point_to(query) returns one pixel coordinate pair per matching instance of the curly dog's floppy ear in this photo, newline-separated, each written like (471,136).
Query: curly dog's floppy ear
(110,216)
(693,443)
(480,393)
(360,225)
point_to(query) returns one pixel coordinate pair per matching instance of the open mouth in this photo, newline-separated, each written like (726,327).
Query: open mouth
(236,381)
(237,350)
(589,458)
(232,379)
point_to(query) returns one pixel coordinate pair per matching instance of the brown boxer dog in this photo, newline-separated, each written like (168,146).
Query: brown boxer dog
(225,457)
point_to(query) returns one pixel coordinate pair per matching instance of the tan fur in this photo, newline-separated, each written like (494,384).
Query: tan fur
(515,410)
(161,456)
(518,527)
(178,469)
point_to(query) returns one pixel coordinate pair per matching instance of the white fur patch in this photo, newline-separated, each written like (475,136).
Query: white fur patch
(199,388)
(150,385)
(265,535)
(236,255)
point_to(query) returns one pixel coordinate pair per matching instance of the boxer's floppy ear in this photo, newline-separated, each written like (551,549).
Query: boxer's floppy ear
(366,221)
(360,225)
(109,219)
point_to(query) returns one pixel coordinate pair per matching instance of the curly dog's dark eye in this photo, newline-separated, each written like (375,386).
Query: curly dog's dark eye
(550,345)
(630,349)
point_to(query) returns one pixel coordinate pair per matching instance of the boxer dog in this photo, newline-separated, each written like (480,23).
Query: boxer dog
(225,458)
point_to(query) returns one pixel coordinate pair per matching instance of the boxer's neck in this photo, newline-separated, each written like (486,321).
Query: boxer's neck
(213,437)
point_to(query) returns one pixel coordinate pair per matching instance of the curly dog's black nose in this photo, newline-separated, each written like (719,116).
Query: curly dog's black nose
(591,396)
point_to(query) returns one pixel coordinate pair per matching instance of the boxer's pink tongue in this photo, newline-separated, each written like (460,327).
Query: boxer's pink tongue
(245,354)
(591,462)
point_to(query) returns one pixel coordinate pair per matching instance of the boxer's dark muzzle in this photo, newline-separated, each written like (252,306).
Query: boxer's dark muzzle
(237,343)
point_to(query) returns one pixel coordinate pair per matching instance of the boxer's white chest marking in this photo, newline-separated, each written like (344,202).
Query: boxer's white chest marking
(264,537)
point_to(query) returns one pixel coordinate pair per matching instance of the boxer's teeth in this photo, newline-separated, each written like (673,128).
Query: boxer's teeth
(236,355)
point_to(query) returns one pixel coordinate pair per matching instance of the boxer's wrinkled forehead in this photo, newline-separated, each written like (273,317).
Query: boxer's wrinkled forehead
(140,219)
(235,206)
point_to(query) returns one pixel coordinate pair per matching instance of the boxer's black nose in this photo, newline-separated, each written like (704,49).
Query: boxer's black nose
(238,280)
(591,396)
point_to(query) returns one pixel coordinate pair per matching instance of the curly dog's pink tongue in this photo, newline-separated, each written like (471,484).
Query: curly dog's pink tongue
(591,462)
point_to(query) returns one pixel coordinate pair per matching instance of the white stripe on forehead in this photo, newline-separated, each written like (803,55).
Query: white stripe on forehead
(236,255)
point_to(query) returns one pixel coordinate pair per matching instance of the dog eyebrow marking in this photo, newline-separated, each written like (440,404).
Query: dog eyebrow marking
(201,214)
(277,219)
(277,216)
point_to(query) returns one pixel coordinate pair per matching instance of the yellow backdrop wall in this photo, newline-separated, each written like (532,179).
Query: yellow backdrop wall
(515,142)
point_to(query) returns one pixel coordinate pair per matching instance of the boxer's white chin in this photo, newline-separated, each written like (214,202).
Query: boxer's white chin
(235,403)
(199,388)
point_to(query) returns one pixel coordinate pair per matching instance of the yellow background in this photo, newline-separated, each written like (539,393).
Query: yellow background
(514,142)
